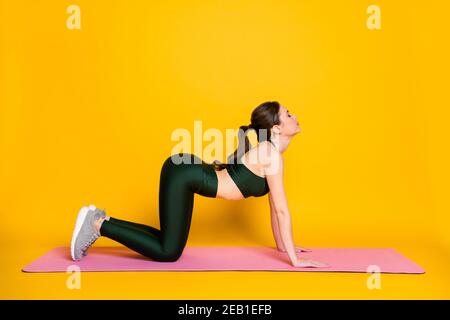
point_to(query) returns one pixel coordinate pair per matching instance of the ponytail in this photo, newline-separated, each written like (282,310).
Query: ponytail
(262,119)
(243,147)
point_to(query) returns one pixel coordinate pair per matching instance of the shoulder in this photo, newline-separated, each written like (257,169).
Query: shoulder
(268,154)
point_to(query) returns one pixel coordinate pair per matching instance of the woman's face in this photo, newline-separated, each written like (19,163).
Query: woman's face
(289,125)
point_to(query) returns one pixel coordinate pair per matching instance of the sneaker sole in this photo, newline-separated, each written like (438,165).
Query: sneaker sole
(80,220)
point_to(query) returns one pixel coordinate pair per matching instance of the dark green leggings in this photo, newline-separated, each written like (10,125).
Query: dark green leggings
(178,184)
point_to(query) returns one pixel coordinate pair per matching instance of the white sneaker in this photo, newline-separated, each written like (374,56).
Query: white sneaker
(85,233)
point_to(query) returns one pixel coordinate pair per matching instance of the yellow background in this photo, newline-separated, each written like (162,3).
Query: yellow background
(86,117)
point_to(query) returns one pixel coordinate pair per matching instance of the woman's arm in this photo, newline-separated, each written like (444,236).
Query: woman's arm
(274,175)
(275,226)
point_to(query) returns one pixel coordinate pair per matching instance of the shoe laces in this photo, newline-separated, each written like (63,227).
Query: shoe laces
(90,242)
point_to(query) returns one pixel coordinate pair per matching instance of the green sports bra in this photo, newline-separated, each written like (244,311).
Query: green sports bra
(249,183)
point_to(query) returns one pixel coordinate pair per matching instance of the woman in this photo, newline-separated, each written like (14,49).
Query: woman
(252,172)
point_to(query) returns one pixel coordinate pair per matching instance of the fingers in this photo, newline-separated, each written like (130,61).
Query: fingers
(320,264)
(317,264)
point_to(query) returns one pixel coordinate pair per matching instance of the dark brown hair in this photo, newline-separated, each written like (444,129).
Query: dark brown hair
(262,119)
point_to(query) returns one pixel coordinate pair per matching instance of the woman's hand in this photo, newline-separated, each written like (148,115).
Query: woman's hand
(308,263)
(297,249)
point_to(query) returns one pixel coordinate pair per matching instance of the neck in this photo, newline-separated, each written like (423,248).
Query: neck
(281,143)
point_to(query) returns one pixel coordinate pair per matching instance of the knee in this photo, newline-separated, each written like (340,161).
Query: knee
(169,256)
(171,259)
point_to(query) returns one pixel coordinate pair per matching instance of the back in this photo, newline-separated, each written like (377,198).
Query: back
(246,173)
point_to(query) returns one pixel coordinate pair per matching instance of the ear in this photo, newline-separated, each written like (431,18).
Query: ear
(276,128)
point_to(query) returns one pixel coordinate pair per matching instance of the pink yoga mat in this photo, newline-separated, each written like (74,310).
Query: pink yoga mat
(228,258)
